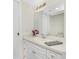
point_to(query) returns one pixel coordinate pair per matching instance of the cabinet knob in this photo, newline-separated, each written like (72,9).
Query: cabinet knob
(18,33)
(33,52)
(52,56)
(24,57)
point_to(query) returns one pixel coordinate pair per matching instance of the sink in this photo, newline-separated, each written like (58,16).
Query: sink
(52,43)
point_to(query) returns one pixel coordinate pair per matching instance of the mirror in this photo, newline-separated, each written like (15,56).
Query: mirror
(50,21)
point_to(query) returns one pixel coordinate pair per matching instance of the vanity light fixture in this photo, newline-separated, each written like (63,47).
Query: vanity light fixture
(41,6)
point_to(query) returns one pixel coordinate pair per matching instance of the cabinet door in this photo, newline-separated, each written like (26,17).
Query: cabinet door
(34,52)
(33,55)
(53,55)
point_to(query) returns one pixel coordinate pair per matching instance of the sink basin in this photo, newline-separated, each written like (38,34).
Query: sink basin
(52,43)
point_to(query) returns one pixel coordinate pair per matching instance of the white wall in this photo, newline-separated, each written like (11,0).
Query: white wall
(27,17)
(38,21)
(57,24)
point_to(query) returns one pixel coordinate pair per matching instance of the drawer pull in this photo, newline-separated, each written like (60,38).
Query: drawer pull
(52,56)
(24,57)
(33,52)
(24,48)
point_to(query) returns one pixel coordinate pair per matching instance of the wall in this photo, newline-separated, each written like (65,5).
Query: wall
(57,24)
(27,17)
(38,21)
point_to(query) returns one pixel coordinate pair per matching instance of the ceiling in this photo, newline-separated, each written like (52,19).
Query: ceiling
(54,6)
(51,4)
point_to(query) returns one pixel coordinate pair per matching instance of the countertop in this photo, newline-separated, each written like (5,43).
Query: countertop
(61,49)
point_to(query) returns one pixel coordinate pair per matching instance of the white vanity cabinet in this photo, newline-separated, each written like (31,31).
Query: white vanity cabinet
(31,51)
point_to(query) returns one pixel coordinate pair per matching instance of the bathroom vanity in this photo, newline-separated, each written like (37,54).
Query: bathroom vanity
(35,48)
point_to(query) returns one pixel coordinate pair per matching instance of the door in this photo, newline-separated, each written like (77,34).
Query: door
(17,30)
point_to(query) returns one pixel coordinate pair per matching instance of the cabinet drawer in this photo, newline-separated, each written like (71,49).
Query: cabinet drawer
(38,48)
(34,49)
(53,55)
(37,51)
